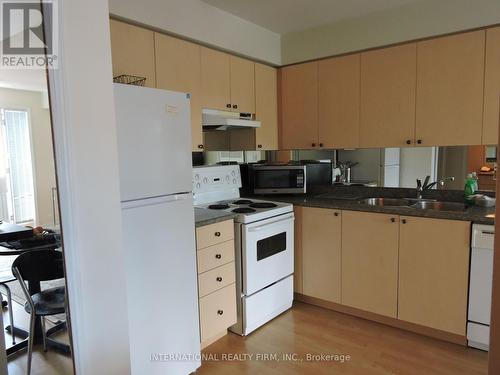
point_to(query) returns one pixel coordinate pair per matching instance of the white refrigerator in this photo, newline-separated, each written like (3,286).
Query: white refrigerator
(154,145)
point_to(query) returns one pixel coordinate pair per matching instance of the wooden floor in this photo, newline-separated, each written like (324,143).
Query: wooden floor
(49,363)
(373,348)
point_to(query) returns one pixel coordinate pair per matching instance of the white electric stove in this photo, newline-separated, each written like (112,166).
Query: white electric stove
(264,245)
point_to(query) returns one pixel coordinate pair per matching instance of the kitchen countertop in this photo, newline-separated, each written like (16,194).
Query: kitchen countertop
(475,214)
(204,216)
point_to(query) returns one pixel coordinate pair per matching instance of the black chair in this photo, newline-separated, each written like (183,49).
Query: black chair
(34,267)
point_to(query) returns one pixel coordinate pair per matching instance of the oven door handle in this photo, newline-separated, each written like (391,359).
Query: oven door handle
(266,225)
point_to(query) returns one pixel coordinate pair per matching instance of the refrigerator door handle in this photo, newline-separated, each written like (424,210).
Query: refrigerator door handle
(156,200)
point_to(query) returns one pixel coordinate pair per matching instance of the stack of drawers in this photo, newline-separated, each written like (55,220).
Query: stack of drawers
(216,280)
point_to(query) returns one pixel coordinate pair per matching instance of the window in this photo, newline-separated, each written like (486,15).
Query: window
(19,186)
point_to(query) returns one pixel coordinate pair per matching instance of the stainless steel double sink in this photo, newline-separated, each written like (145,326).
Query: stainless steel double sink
(421,204)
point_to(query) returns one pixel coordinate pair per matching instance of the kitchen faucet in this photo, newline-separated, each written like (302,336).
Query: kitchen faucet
(426,185)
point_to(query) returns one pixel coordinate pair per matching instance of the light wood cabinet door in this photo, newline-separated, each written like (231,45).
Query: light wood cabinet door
(266,107)
(178,68)
(491,117)
(133,51)
(321,243)
(299,106)
(242,85)
(450,77)
(388,83)
(434,273)
(338,115)
(215,79)
(297,273)
(370,262)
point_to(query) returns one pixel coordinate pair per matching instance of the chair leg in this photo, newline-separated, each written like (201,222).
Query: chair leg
(11,313)
(30,341)
(44,332)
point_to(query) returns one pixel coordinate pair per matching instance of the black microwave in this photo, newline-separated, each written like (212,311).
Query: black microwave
(279,179)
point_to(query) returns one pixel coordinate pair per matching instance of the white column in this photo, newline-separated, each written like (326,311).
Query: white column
(87,166)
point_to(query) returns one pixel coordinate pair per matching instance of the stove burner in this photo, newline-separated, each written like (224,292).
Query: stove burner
(263,205)
(243,201)
(243,210)
(218,206)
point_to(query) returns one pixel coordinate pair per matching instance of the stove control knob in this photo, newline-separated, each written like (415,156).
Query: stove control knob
(233,173)
(227,178)
(198,185)
(197,177)
(234,181)
(205,180)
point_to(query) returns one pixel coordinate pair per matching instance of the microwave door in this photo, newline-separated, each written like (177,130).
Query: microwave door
(279,180)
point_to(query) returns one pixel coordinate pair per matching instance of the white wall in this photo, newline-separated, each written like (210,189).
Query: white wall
(87,167)
(413,21)
(417,162)
(43,157)
(204,23)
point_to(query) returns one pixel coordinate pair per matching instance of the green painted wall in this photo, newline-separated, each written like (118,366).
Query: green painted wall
(417,20)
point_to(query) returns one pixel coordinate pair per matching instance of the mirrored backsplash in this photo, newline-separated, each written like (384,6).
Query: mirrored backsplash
(387,167)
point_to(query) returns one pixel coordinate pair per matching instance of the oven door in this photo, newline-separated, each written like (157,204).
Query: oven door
(267,252)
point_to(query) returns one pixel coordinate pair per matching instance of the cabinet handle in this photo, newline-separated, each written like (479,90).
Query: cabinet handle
(419,141)
(200,147)
(403,221)
(259,146)
(321,145)
(218,256)
(217,234)
(408,142)
(335,214)
(235,106)
(219,279)
(220,312)
(313,144)
(393,220)
(228,105)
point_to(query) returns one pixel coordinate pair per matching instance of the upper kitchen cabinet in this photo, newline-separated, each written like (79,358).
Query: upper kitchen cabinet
(242,85)
(434,273)
(178,68)
(491,115)
(370,262)
(299,106)
(133,51)
(227,82)
(450,77)
(338,115)
(388,81)
(215,79)
(266,107)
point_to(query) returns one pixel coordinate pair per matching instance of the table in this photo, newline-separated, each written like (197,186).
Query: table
(33,287)
(12,232)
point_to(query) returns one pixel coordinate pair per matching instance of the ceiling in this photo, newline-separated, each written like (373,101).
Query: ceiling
(284,16)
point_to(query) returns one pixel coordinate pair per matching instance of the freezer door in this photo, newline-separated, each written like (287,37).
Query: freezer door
(162,294)
(154,141)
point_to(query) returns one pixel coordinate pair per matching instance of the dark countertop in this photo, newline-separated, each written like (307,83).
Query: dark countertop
(475,214)
(203,216)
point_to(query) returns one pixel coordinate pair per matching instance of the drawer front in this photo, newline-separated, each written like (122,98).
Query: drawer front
(215,256)
(210,281)
(213,234)
(483,236)
(217,311)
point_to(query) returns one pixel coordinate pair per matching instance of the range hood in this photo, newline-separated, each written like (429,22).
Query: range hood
(223,120)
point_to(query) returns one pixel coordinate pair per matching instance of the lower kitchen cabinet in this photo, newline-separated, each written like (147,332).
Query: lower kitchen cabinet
(321,243)
(434,273)
(370,262)
(216,280)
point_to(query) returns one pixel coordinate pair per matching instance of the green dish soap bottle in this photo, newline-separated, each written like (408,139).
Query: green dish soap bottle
(469,189)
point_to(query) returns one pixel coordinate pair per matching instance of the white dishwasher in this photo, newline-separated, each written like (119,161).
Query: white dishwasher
(481,277)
